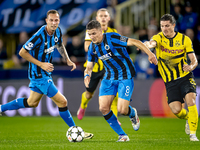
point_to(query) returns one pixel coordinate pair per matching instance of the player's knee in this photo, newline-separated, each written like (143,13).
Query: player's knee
(104,110)
(33,104)
(191,101)
(176,110)
(122,111)
(175,107)
(88,95)
(101,109)
(63,103)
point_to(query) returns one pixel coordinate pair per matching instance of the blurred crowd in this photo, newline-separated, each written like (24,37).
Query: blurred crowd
(184,11)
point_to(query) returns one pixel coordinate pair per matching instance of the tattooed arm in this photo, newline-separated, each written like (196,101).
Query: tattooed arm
(64,54)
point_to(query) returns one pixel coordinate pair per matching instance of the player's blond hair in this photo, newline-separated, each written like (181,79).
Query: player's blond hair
(103,9)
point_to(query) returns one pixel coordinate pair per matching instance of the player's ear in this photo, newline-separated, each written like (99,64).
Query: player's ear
(109,18)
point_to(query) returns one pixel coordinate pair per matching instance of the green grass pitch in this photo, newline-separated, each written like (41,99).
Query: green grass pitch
(48,133)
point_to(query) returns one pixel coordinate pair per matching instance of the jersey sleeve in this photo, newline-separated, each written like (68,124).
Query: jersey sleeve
(188,45)
(118,40)
(156,38)
(87,38)
(60,37)
(91,56)
(31,43)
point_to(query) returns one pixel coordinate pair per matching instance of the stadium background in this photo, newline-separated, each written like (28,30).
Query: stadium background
(149,95)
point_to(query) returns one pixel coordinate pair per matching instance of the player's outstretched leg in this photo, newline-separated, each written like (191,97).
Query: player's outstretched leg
(123,138)
(193,122)
(83,106)
(15,104)
(134,118)
(183,114)
(114,107)
(66,116)
(112,121)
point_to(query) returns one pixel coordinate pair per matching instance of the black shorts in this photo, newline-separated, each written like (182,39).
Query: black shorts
(177,89)
(94,80)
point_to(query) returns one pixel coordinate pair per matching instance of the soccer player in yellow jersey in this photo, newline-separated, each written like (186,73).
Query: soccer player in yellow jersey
(172,49)
(103,18)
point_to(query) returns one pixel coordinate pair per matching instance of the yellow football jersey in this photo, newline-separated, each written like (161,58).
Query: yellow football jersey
(99,65)
(172,54)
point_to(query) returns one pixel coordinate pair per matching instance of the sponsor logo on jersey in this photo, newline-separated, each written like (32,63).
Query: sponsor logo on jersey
(106,56)
(171,51)
(50,49)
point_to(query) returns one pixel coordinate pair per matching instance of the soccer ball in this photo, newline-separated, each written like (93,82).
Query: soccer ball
(75,134)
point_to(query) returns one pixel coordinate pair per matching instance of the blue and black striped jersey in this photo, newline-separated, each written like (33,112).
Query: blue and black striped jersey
(41,46)
(112,51)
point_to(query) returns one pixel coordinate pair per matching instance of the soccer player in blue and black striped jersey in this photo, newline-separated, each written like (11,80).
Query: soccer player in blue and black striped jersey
(111,49)
(38,50)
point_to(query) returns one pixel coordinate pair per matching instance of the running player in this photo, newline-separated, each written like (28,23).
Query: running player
(38,50)
(98,72)
(119,73)
(172,49)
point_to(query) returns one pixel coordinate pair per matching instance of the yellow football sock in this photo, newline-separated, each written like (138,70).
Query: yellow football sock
(193,119)
(84,101)
(114,105)
(183,114)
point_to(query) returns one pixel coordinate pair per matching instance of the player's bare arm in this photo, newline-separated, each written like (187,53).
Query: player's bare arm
(193,63)
(140,45)
(86,45)
(88,73)
(44,65)
(64,54)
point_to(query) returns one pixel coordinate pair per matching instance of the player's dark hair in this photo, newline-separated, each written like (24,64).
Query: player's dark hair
(168,17)
(93,25)
(52,11)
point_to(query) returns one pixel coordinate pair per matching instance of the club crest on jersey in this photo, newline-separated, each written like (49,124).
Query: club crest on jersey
(107,47)
(56,39)
(177,44)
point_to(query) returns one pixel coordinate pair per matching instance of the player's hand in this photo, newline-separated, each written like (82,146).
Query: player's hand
(147,43)
(152,59)
(47,66)
(87,81)
(70,63)
(150,44)
(187,68)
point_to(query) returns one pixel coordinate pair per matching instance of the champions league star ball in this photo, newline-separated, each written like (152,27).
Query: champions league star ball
(75,134)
